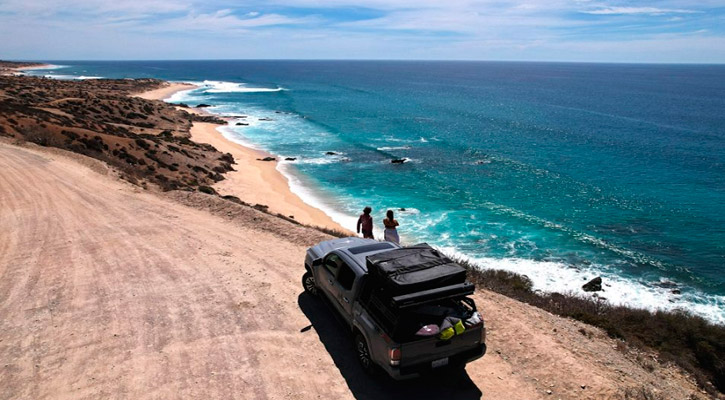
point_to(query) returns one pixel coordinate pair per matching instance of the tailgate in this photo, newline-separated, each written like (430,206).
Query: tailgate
(430,350)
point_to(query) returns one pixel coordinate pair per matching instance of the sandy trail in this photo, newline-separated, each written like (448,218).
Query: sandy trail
(110,291)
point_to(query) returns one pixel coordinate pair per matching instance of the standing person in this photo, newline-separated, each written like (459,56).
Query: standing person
(366,223)
(391,234)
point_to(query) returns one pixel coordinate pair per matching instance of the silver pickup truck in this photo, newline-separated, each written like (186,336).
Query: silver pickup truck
(407,307)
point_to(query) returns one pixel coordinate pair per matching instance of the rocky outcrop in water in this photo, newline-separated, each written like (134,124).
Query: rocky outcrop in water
(595,285)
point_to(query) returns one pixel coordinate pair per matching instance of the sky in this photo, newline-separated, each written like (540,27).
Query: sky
(663,31)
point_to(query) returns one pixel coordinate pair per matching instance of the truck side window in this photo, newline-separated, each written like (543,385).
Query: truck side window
(332,263)
(345,276)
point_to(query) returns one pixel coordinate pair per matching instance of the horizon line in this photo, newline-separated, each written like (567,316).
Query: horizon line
(375,59)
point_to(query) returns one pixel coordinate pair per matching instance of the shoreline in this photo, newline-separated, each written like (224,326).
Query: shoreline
(272,185)
(21,70)
(260,182)
(252,181)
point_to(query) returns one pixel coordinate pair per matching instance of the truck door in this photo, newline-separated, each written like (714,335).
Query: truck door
(345,280)
(328,275)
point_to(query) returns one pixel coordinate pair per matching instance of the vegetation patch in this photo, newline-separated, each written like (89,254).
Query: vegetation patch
(690,341)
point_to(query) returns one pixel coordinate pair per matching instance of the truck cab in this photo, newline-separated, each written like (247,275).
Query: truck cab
(384,315)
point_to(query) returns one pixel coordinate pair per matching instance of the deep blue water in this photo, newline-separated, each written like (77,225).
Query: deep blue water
(559,171)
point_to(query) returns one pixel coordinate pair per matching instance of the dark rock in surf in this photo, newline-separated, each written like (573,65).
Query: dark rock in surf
(267,159)
(202,105)
(242,124)
(595,285)
(330,153)
(290,159)
(398,161)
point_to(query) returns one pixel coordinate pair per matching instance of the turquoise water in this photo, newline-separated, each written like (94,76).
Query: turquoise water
(561,172)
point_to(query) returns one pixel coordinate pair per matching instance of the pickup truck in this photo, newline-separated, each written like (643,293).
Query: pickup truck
(407,307)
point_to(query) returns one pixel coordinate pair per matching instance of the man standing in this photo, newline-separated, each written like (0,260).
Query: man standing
(366,223)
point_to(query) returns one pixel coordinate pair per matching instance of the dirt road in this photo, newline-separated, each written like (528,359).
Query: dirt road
(107,291)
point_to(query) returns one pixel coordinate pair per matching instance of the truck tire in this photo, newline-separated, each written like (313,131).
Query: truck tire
(363,354)
(309,284)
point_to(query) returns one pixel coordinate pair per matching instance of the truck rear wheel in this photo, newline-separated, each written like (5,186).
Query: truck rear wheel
(308,282)
(363,354)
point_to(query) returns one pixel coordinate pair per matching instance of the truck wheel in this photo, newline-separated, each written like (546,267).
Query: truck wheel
(363,354)
(308,282)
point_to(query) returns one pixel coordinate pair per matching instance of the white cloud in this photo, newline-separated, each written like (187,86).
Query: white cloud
(637,10)
(70,7)
(408,29)
(221,21)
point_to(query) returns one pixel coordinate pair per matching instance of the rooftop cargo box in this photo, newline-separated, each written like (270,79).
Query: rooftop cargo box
(413,269)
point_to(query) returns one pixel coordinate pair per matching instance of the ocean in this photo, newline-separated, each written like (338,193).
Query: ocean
(558,171)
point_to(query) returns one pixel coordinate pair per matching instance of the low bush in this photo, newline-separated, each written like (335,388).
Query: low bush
(690,341)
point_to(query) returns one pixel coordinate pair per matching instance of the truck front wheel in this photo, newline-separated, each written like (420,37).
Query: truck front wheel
(308,282)
(363,354)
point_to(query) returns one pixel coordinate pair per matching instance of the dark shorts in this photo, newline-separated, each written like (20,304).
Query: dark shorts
(368,234)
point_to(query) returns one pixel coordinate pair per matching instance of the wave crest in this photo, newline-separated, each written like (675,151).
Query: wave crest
(234,87)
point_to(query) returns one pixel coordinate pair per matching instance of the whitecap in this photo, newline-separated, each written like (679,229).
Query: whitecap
(234,87)
(319,161)
(407,211)
(388,148)
(71,77)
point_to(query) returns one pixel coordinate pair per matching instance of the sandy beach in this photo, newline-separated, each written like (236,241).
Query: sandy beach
(166,91)
(253,181)
(18,70)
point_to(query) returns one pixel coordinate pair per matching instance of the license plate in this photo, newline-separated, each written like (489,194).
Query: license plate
(439,363)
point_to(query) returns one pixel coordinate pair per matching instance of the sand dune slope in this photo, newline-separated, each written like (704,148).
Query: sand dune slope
(107,291)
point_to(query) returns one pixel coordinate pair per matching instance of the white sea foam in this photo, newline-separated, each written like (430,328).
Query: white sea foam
(71,77)
(181,96)
(311,197)
(388,148)
(40,71)
(233,136)
(53,67)
(233,87)
(550,277)
(318,160)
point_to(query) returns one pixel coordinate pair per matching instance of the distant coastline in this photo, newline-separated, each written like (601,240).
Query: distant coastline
(253,181)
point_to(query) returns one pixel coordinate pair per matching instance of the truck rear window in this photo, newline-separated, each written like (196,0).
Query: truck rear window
(370,247)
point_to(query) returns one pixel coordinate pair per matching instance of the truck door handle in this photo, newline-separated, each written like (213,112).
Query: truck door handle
(346,299)
(330,280)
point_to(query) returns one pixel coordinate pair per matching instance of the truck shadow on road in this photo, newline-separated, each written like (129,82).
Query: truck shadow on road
(338,341)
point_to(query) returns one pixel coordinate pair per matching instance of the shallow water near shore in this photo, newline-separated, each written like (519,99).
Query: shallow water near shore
(561,172)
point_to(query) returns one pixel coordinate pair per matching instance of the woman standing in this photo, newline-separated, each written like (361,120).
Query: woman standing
(391,234)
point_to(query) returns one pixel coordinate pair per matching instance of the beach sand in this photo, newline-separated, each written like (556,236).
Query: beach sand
(253,181)
(166,91)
